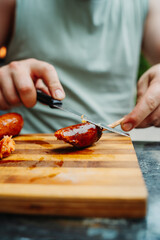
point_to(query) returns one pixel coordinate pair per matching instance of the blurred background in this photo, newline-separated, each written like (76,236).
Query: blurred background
(3,52)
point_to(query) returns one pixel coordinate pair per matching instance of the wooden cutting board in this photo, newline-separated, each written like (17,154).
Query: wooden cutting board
(47,176)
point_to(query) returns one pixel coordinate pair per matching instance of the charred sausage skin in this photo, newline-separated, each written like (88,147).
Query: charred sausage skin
(10,124)
(80,135)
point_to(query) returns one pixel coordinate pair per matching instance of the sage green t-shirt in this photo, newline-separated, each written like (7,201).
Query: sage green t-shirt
(94,46)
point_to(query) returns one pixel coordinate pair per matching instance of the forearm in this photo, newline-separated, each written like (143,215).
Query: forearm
(151,38)
(152,57)
(7,9)
(151,49)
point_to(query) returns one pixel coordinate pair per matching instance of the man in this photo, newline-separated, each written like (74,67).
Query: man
(93,47)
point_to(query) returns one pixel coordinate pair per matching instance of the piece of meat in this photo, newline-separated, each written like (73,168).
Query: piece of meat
(10,124)
(80,135)
(7,146)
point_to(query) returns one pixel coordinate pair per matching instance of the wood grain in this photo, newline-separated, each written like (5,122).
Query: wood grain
(47,176)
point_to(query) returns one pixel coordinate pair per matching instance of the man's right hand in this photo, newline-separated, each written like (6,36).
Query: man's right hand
(19,80)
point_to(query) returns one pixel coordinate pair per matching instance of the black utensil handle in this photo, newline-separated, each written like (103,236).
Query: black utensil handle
(46,99)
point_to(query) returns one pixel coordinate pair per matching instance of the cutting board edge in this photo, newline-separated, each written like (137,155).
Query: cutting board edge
(76,209)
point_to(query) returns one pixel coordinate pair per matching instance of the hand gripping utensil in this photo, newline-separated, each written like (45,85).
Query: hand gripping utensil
(53,103)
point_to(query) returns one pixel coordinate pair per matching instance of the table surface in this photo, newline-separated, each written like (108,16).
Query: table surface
(22,227)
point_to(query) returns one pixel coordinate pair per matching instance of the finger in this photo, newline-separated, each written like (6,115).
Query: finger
(3,103)
(9,91)
(152,120)
(40,85)
(49,75)
(23,83)
(144,107)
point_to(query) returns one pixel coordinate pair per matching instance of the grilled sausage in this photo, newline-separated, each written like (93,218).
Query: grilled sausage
(10,124)
(80,135)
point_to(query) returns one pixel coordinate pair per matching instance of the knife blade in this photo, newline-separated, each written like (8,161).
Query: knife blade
(53,103)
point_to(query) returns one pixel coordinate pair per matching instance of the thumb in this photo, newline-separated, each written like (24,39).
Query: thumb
(147,104)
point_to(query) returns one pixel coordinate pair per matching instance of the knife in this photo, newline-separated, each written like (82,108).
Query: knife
(53,103)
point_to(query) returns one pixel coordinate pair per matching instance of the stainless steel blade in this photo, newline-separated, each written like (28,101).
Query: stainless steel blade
(97,124)
(68,110)
(107,128)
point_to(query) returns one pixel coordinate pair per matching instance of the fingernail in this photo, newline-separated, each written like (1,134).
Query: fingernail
(59,94)
(127,126)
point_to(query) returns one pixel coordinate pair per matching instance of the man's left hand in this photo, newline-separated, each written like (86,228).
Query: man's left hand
(146,113)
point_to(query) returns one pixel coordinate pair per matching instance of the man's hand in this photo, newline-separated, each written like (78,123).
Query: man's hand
(19,80)
(147,110)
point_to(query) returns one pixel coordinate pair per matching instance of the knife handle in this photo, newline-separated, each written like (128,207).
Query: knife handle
(46,99)
(116,123)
